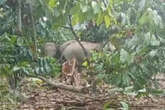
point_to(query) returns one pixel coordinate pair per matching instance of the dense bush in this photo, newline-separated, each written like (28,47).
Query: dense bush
(18,60)
(140,48)
(134,27)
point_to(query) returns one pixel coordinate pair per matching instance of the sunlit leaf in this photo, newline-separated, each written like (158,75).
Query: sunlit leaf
(52,3)
(16,68)
(99,19)
(107,20)
(124,55)
(85,64)
(84,8)
(96,7)
(75,19)
(124,105)
(153,53)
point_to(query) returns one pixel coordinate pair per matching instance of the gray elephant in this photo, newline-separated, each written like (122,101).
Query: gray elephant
(74,50)
(71,49)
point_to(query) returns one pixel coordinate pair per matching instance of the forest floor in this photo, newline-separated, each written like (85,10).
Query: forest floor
(40,96)
(103,97)
(72,92)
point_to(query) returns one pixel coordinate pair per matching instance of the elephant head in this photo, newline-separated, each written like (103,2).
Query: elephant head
(50,49)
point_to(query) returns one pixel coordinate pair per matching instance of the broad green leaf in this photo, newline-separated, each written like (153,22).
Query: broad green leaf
(125,57)
(20,41)
(154,41)
(150,39)
(151,18)
(56,12)
(88,15)
(147,17)
(85,64)
(96,7)
(75,9)
(52,3)
(153,53)
(13,39)
(123,18)
(75,19)
(84,8)
(144,19)
(124,105)
(107,20)
(58,21)
(16,68)
(125,79)
(99,19)
(157,19)
(142,4)
(147,39)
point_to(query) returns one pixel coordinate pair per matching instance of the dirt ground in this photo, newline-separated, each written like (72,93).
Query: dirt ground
(43,98)
(38,95)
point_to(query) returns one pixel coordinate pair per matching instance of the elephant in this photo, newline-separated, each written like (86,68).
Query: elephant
(71,49)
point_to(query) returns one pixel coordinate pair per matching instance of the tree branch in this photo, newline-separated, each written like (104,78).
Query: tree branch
(62,86)
(104,3)
(77,39)
(33,27)
(19,17)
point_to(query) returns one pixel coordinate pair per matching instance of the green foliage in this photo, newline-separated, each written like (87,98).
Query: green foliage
(17,60)
(8,100)
(81,11)
(95,33)
(124,106)
(138,54)
(134,27)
